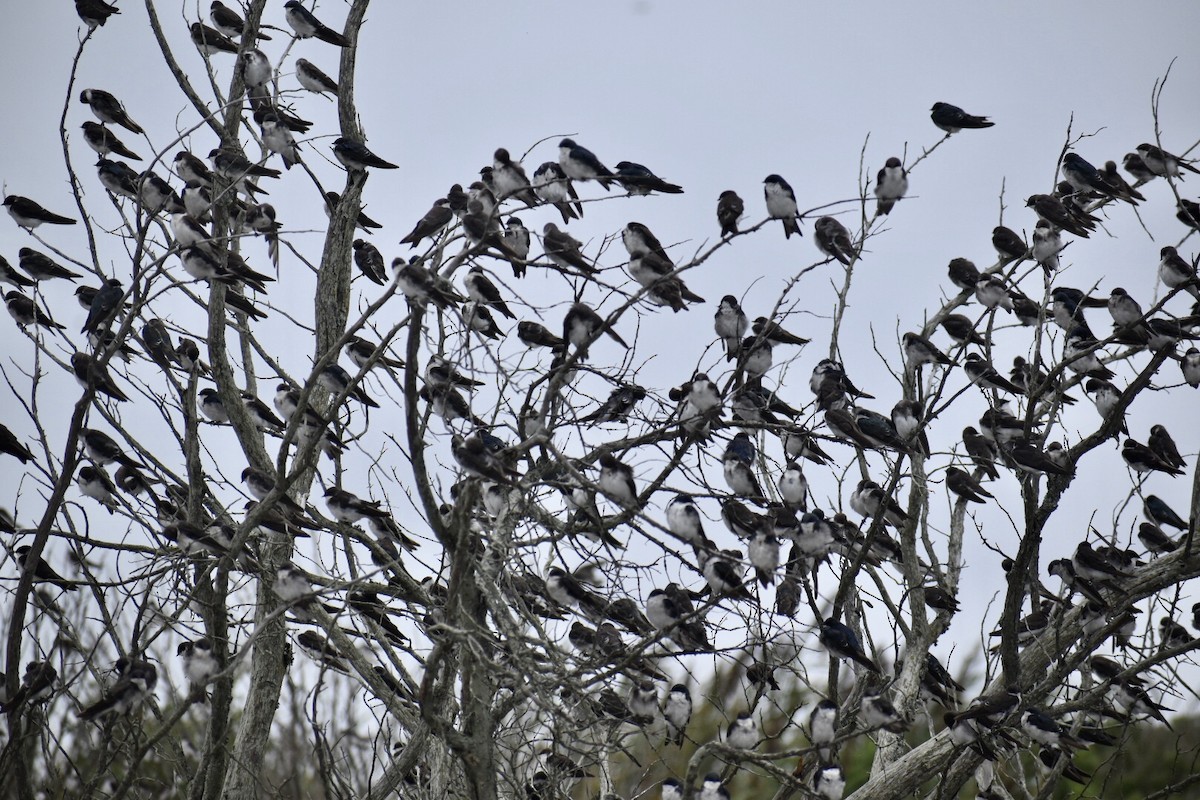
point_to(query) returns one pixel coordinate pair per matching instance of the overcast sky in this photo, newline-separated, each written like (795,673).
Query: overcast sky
(712,98)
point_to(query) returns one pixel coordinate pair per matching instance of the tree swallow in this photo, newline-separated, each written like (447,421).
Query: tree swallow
(108,109)
(833,239)
(891,184)
(729,210)
(781,204)
(354,155)
(953,119)
(639,180)
(28,214)
(306,26)
(580,164)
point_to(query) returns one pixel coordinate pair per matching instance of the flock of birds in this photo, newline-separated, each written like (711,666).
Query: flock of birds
(765,511)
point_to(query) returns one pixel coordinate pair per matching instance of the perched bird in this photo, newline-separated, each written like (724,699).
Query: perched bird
(580,164)
(742,732)
(37,686)
(1158,512)
(963,273)
(842,642)
(29,214)
(1176,273)
(323,651)
(1160,442)
(965,486)
(25,312)
(833,239)
(313,79)
(1155,540)
(108,109)
(639,180)
(353,154)
(781,204)
(730,323)
(1008,244)
(510,180)
(891,184)
(307,26)
(983,452)
(482,290)
(477,460)
(878,712)
(10,444)
(829,782)
(552,185)
(430,225)
(582,325)
(91,375)
(1189,365)
(228,21)
(730,208)
(40,267)
(1162,163)
(95,13)
(1143,459)
(953,119)
(135,684)
(565,250)
(43,572)
(983,374)
(919,351)
(199,663)
(211,41)
(1107,398)
(677,711)
(104,306)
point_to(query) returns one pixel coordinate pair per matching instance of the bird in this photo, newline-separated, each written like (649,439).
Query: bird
(473,455)
(482,290)
(1107,398)
(43,572)
(510,179)
(677,712)
(833,239)
(730,323)
(580,164)
(582,325)
(953,119)
(135,684)
(313,79)
(1155,540)
(963,273)
(108,109)
(1162,163)
(1157,511)
(730,208)
(40,267)
(228,21)
(1143,459)
(37,686)
(25,312)
(842,642)
(983,374)
(430,225)
(95,13)
(878,713)
(639,180)
(1160,442)
(307,26)
(552,185)
(684,520)
(891,184)
(1042,729)
(781,204)
(919,351)
(199,662)
(105,304)
(93,376)
(210,41)
(983,452)
(29,214)
(354,155)
(723,576)
(323,651)
(1009,245)
(1176,273)
(1189,365)
(565,250)
(965,486)
(742,732)
(829,781)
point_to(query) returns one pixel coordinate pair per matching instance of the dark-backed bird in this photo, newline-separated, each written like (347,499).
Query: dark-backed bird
(781,204)
(108,109)
(953,119)
(307,26)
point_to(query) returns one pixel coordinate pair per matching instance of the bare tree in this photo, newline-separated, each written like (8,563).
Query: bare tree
(542,587)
